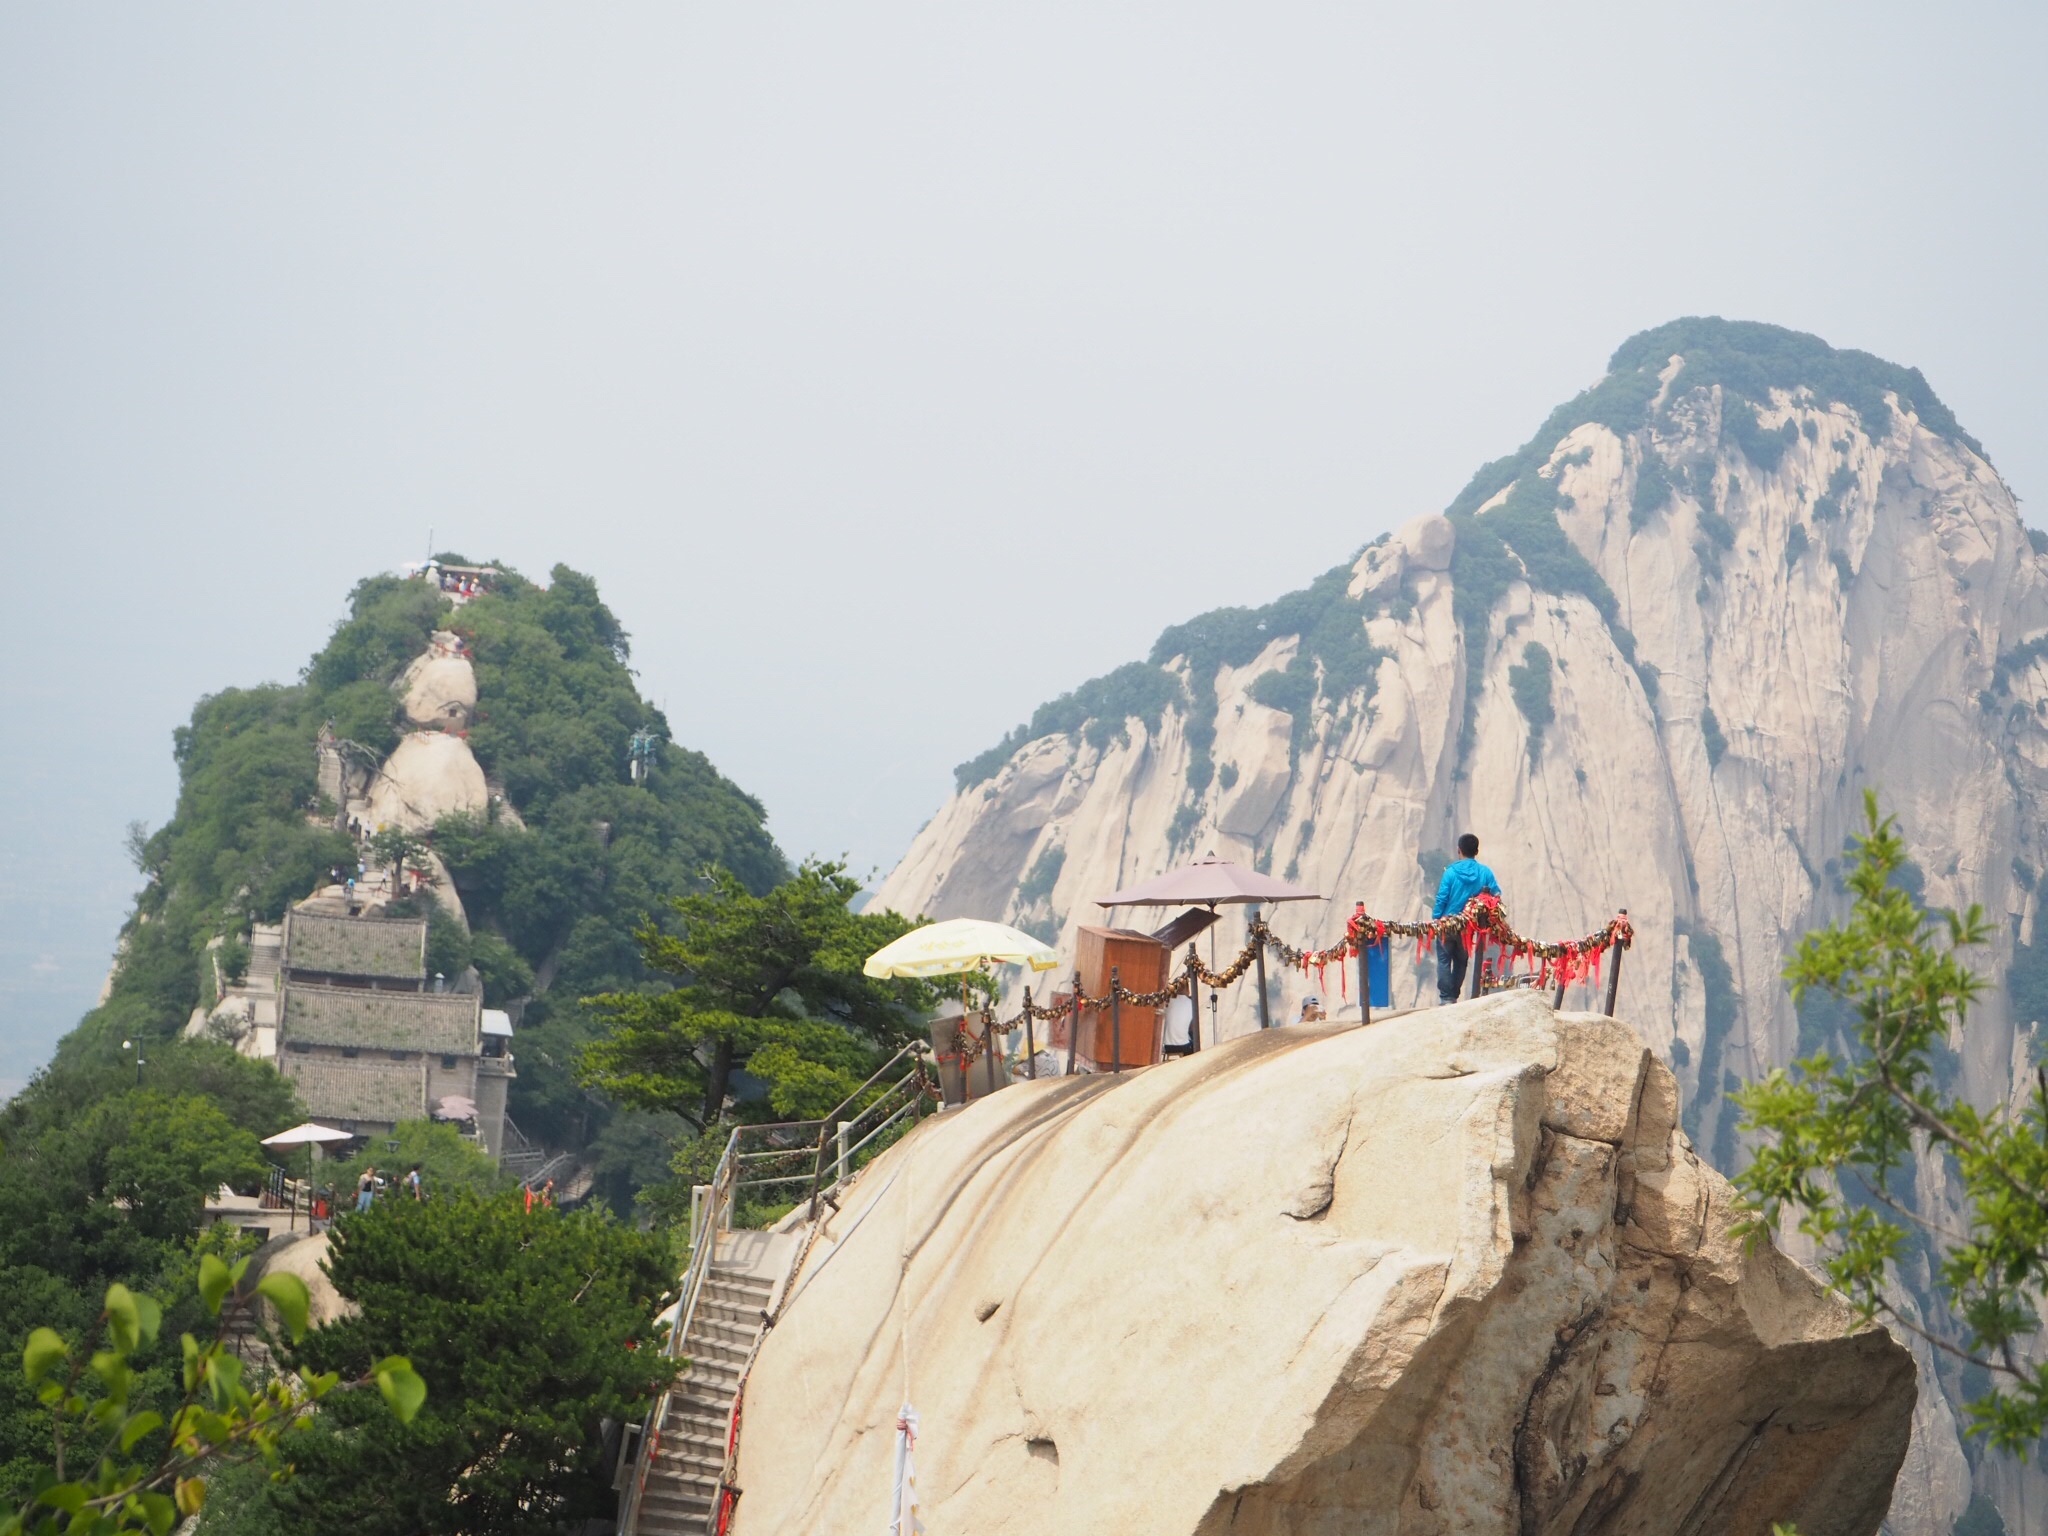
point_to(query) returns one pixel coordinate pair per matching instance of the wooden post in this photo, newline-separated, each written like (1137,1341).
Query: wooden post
(1265,1015)
(1614,953)
(1116,1025)
(1074,1032)
(1030,1040)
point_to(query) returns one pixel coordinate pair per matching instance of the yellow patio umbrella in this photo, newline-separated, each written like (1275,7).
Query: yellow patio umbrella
(957,945)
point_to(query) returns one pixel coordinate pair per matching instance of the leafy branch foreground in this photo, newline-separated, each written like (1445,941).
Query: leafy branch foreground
(143,1471)
(1837,1131)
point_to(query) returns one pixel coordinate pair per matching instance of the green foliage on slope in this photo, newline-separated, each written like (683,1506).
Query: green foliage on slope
(770,984)
(1529,682)
(1748,360)
(552,907)
(1334,660)
(530,1330)
(103,1182)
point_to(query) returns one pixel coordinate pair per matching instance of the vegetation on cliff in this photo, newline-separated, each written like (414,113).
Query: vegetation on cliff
(1836,1129)
(553,896)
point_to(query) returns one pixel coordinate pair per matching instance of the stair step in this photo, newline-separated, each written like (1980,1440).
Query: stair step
(710,1447)
(719,1330)
(724,1379)
(715,1348)
(753,1285)
(707,1426)
(712,1310)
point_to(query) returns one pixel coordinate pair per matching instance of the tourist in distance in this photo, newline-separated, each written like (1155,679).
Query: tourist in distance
(1311,1010)
(366,1189)
(1461,882)
(1180,1022)
(413,1186)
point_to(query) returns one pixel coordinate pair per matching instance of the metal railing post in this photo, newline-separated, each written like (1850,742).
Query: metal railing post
(818,1173)
(1364,985)
(1074,1034)
(839,1162)
(1614,952)
(1265,1012)
(1030,1040)
(988,1045)
(1116,1023)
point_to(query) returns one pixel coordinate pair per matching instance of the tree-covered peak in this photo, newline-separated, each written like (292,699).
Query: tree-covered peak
(1748,360)
(553,892)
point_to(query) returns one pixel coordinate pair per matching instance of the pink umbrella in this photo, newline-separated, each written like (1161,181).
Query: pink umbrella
(1212,882)
(1208,882)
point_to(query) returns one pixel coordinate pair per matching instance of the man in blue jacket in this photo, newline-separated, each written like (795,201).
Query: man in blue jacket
(1461,882)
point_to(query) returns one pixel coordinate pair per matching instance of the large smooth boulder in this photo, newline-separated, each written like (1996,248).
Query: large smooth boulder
(439,688)
(429,775)
(1455,1274)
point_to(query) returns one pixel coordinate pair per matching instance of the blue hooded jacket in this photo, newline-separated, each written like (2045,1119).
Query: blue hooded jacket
(1461,882)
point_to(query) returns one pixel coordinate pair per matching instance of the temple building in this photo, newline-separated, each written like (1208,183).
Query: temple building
(367,1043)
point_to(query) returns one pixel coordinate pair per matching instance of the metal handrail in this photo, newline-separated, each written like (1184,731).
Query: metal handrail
(848,1155)
(714,1215)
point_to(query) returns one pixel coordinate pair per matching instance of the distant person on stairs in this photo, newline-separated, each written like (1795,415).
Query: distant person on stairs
(1461,882)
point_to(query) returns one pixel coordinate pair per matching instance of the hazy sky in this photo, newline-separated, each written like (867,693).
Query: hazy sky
(892,368)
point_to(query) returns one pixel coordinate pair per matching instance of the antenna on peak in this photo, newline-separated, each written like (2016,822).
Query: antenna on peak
(430,541)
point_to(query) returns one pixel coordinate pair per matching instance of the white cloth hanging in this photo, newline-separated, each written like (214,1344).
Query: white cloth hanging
(903,1519)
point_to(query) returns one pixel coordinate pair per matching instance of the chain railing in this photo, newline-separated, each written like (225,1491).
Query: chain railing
(1481,926)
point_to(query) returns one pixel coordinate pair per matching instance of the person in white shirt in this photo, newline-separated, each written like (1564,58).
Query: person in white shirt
(1311,1010)
(1180,1024)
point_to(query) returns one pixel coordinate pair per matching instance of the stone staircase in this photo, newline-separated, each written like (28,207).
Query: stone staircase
(680,1496)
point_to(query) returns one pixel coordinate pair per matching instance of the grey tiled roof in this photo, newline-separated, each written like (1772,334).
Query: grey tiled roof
(384,1091)
(440,1023)
(388,948)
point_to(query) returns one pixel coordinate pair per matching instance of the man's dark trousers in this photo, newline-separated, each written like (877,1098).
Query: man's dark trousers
(1450,967)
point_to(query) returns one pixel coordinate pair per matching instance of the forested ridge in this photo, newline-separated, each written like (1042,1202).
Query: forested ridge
(109,1155)
(552,905)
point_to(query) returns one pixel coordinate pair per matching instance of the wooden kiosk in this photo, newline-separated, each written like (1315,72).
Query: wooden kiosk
(1131,1037)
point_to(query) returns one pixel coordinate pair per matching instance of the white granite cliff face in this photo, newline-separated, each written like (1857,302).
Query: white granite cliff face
(1832,622)
(1546,1327)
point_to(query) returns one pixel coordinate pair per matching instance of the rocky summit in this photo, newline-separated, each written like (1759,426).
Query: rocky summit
(1653,658)
(1227,1295)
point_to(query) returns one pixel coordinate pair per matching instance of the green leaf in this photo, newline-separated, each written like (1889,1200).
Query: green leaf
(143,1423)
(149,1316)
(401,1385)
(44,1352)
(214,1282)
(69,1497)
(288,1294)
(124,1318)
(160,1511)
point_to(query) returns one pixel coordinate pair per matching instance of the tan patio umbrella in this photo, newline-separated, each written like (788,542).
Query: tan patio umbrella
(309,1135)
